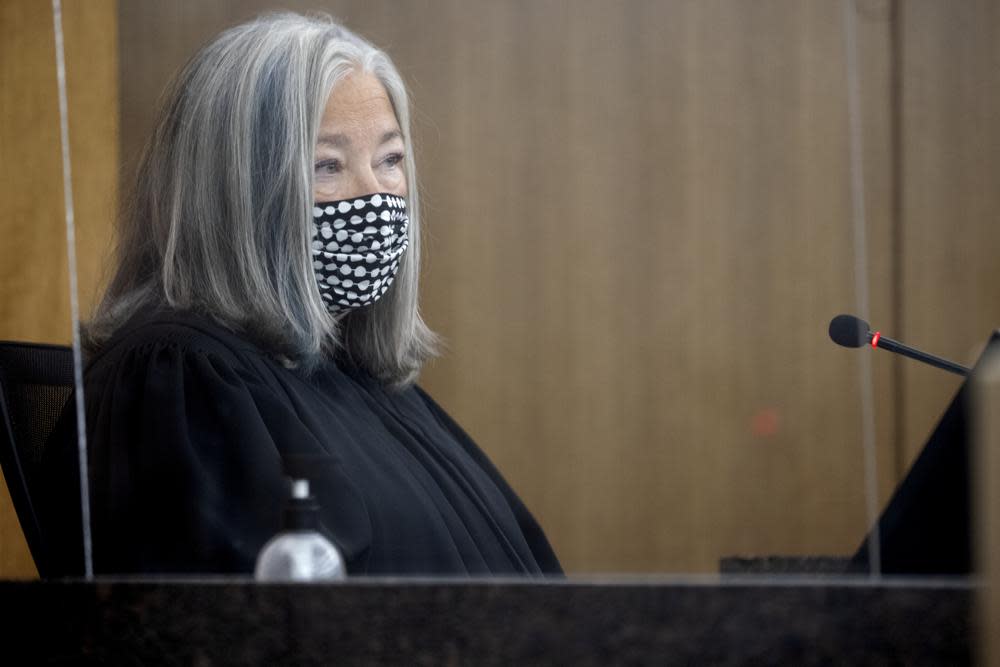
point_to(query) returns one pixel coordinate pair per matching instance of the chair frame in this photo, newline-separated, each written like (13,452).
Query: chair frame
(10,455)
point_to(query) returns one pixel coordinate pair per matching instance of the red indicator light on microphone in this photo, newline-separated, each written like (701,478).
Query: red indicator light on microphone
(875,338)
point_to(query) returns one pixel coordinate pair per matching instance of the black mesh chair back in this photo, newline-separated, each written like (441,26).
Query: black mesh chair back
(35,382)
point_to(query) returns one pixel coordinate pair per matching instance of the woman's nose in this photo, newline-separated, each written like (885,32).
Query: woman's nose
(363,182)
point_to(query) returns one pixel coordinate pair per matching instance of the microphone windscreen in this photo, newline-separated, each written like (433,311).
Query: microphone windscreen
(849,331)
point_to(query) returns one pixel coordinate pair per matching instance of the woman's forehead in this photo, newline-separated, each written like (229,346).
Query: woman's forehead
(358,109)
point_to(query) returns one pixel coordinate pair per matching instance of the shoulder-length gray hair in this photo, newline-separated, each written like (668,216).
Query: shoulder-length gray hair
(218,219)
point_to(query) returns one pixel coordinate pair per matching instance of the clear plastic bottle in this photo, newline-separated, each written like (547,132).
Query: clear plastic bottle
(300,552)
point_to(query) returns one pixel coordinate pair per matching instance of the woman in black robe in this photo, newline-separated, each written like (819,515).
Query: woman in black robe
(264,306)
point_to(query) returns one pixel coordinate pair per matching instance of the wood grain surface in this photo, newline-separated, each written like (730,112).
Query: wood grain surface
(951,203)
(638,223)
(34,282)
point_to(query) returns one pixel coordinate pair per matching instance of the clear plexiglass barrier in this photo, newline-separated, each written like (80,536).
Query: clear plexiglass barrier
(630,225)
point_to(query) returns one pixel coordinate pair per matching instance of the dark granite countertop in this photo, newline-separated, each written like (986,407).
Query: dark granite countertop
(630,621)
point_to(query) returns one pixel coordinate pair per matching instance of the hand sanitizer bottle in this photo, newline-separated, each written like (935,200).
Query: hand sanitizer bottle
(300,552)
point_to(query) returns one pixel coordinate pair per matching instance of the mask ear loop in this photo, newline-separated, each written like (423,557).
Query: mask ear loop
(81,426)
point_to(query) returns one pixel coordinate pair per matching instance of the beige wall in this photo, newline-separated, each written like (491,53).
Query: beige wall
(34,284)
(950,169)
(639,227)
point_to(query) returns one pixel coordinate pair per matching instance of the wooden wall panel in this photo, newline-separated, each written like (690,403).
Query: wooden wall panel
(639,228)
(35,299)
(951,203)
(34,284)
(614,196)
(683,168)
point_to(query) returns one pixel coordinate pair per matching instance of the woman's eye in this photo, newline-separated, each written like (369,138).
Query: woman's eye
(328,167)
(393,160)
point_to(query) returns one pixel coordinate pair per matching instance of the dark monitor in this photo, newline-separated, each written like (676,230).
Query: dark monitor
(926,528)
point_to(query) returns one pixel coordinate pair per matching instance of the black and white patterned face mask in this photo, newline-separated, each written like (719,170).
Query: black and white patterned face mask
(356,247)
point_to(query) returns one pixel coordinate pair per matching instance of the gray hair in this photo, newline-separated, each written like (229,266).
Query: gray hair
(218,220)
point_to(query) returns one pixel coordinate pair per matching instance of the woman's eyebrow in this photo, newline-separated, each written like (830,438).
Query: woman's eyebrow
(389,136)
(336,140)
(339,140)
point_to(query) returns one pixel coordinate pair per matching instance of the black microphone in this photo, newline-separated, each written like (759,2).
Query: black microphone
(851,331)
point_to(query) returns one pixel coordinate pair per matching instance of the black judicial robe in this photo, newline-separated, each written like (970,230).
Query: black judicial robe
(187,426)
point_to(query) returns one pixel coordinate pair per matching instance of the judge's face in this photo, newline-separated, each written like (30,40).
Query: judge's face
(359,149)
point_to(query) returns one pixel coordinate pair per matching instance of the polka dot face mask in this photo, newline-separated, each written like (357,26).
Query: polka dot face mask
(356,247)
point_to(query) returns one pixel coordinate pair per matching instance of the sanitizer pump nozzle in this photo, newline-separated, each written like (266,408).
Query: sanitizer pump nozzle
(300,552)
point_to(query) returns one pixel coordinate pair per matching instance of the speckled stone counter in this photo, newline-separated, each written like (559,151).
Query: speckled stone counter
(820,565)
(576,622)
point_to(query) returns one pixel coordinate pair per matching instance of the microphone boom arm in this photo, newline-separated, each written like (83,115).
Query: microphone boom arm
(879,341)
